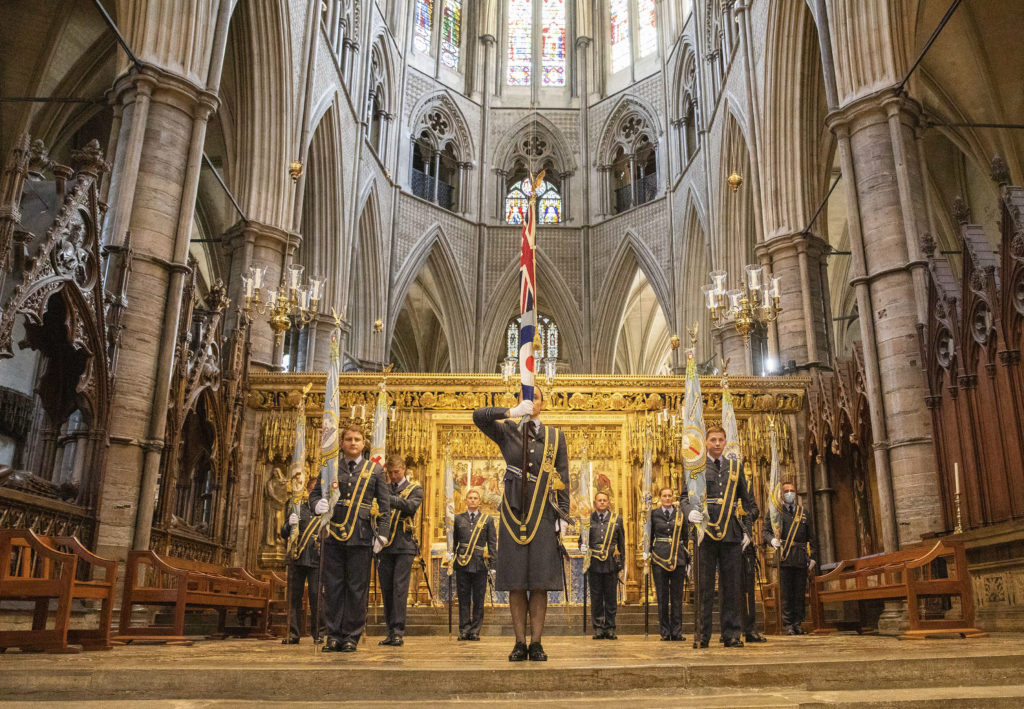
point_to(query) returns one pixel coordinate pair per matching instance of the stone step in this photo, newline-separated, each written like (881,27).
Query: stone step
(847,671)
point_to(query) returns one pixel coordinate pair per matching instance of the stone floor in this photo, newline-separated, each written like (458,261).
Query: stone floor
(845,670)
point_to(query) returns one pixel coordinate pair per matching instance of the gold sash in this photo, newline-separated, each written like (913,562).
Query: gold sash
(348,525)
(474,537)
(669,563)
(787,545)
(404,494)
(717,529)
(606,545)
(523,531)
(310,531)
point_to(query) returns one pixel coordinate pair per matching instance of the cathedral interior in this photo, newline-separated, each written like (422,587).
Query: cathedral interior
(197,194)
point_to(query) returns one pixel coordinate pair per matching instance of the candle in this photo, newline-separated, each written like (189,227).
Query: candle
(352,413)
(362,411)
(956,477)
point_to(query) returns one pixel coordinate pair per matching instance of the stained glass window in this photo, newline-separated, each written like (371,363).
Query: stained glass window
(646,32)
(451,33)
(549,203)
(546,329)
(618,16)
(520,41)
(552,52)
(423,25)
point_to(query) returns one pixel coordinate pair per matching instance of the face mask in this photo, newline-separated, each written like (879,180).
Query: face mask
(789,497)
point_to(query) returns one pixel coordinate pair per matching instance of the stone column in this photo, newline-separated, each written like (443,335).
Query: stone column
(884,178)
(802,331)
(732,349)
(253,244)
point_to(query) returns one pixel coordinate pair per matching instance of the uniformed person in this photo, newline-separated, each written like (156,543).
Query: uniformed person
(303,568)
(607,548)
(352,537)
(394,562)
(475,539)
(748,605)
(529,561)
(724,539)
(796,554)
(669,559)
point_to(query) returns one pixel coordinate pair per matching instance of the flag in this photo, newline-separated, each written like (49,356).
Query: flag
(694,451)
(775,487)
(380,426)
(298,466)
(584,505)
(527,300)
(732,434)
(646,500)
(449,508)
(329,434)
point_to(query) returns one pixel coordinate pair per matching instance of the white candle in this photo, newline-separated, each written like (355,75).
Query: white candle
(956,477)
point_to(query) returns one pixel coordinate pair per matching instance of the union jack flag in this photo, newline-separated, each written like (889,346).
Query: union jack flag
(527,300)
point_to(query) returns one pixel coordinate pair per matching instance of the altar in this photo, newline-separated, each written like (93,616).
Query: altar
(610,423)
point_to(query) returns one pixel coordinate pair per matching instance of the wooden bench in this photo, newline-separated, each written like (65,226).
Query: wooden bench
(913,575)
(40,568)
(278,624)
(153,580)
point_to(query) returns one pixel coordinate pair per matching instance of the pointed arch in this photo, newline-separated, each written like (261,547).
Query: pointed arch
(367,296)
(695,264)
(612,136)
(456,132)
(452,305)
(631,256)
(734,246)
(557,148)
(554,299)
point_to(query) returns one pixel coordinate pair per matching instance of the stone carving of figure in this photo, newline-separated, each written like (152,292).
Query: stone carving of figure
(276,494)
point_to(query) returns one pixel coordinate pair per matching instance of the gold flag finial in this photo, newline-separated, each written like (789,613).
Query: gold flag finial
(693,333)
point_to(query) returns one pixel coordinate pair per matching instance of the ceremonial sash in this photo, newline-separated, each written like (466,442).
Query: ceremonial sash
(348,525)
(717,528)
(606,546)
(787,544)
(310,531)
(474,537)
(523,531)
(393,523)
(669,563)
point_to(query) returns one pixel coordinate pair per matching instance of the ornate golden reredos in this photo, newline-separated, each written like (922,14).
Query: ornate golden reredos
(464,392)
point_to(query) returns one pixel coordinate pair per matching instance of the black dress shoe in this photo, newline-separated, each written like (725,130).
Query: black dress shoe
(598,636)
(703,643)
(756,638)
(799,630)
(734,642)
(389,640)
(290,641)
(463,636)
(609,635)
(332,646)
(348,646)
(537,653)
(474,637)
(790,631)
(519,653)
(665,637)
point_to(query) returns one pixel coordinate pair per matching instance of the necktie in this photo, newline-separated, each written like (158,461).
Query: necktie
(472,517)
(789,509)
(668,513)
(351,467)
(718,465)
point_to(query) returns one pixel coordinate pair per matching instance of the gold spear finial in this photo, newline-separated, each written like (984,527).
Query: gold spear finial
(693,333)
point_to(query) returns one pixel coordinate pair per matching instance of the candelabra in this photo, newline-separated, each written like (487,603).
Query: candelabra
(292,303)
(756,303)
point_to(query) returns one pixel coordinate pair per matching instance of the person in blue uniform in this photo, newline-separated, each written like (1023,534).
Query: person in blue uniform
(394,562)
(796,559)
(476,543)
(607,547)
(669,560)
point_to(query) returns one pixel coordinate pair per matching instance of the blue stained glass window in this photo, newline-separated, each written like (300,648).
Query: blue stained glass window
(549,203)
(552,55)
(423,22)
(451,33)
(520,40)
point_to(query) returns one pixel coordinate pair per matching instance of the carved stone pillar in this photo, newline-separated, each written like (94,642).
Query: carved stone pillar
(802,333)
(252,244)
(884,190)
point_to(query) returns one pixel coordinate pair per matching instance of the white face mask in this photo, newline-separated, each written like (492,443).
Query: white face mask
(789,497)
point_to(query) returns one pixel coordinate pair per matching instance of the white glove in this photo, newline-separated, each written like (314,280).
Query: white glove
(776,543)
(378,544)
(584,548)
(293,519)
(492,572)
(695,516)
(322,505)
(523,408)
(689,571)
(811,564)
(746,542)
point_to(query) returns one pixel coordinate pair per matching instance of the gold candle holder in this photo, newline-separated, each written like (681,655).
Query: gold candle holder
(959,527)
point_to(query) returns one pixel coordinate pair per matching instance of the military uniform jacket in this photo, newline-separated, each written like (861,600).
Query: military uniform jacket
(800,550)
(486,540)
(405,498)
(308,551)
(376,488)
(660,536)
(717,482)
(537,563)
(600,536)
